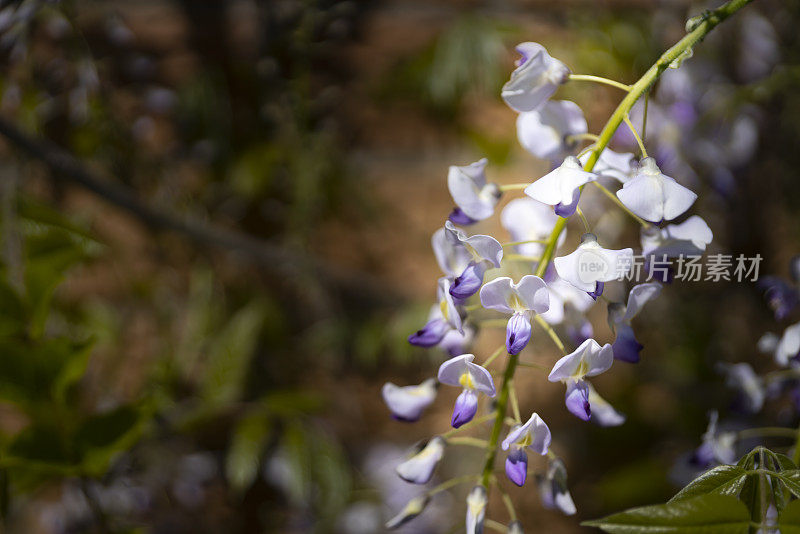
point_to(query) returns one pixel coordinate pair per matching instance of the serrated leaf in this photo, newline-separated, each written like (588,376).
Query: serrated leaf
(722,480)
(721,514)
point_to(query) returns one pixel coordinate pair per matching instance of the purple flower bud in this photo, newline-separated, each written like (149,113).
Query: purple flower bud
(598,290)
(431,334)
(518,333)
(577,400)
(625,347)
(517,465)
(465,408)
(468,282)
(459,217)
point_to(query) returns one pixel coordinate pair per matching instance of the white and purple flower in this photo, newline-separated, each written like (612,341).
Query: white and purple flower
(590,266)
(654,196)
(444,318)
(475,198)
(561,187)
(419,468)
(465,258)
(535,79)
(408,402)
(589,359)
(626,347)
(553,489)
(522,301)
(545,132)
(474,379)
(529,220)
(535,435)
(476,509)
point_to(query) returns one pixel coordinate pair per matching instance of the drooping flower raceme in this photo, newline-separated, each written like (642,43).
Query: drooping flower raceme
(560,188)
(419,468)
(626,347)
(465,258)
(589,359)
(522,300)
(590,266)
(545,132)
(475,198)
(444,318)
(535,435)
(654,196)
(535,79)
(474,379)
(408,402)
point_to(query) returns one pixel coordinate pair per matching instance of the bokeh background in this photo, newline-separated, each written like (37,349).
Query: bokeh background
(200,346)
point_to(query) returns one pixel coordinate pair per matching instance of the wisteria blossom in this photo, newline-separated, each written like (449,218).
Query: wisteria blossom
(465,258)
(568,305)
(787,348)
(560,188)
(545,132)
(444,317)
(535,435)
(411,510)
(689,238)
(475,198)
(625,346)
(535,79)
(474,379)
(589,359)
(603,414)
(522,300)
(749,386)
(408,402)
(654,196)
(553,489)
(590,266)
(476,509)
(617,165)
(419,468)
(717,446)
(529,220)
(783,296)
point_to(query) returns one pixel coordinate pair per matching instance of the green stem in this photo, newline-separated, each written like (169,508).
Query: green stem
(634,93)
(598,79)
(502,404)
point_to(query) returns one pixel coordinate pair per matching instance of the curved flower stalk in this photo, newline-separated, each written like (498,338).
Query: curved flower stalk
(553,291)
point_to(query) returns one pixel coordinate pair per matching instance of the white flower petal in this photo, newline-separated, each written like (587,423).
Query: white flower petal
(639,296)
(559,186)
(542,132)
(536,78)
(471,193)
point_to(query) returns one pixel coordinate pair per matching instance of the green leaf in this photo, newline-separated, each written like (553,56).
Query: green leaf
(721,514)
(722,480)
(247,446)
(99,438)
(789,520)
(230,355)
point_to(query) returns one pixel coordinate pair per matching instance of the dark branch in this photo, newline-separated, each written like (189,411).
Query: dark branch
(277,259)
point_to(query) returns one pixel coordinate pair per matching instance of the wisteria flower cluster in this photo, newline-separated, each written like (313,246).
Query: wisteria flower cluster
(480,277)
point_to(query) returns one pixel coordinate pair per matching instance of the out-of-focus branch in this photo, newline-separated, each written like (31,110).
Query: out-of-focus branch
(278,260)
